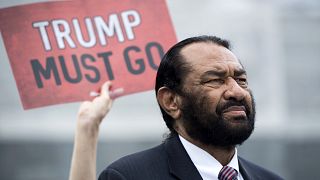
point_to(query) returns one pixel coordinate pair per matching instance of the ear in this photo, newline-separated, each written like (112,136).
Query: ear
(169,101)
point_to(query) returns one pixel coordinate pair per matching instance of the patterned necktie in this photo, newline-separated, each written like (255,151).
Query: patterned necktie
(228,173)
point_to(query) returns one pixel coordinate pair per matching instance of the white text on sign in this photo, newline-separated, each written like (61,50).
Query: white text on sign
(62,30)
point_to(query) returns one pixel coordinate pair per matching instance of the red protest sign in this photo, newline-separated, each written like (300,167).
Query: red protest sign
(60,51)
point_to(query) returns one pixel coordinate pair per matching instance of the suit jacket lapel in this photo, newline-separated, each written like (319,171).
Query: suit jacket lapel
(244,170)
(180,164)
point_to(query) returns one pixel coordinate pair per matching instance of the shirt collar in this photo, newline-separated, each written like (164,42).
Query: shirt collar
(206,164)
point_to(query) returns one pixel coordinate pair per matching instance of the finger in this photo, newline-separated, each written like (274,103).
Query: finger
(105,89)
(94,94)
(113,94)
(116,93)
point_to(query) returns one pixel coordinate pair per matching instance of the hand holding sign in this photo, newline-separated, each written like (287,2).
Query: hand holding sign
(92,112)
(90,115)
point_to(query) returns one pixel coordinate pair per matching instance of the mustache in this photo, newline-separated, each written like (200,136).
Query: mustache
(230,103)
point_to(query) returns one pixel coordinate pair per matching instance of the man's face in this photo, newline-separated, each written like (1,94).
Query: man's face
(217,105)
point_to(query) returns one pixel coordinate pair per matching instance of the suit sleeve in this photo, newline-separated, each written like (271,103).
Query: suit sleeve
(111,174)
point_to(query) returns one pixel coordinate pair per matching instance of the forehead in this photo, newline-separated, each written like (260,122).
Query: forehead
(206,55)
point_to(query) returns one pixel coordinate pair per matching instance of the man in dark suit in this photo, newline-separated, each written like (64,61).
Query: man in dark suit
(203,94)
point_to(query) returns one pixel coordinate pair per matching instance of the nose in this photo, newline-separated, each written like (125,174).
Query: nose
(233,90)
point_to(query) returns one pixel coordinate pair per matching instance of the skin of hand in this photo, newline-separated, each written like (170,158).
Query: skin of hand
(90,115)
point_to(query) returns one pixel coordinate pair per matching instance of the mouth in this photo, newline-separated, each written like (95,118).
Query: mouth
(235,111)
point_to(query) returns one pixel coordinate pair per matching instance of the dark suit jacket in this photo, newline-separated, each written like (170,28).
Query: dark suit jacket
(170,161)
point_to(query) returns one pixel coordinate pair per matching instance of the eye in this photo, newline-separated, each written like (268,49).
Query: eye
(215,82)
(242,81)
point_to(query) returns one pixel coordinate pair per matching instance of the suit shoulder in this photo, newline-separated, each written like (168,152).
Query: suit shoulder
(134,166)
(256,171)
(139,158)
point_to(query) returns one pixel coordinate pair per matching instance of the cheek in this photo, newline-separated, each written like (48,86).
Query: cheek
(212,100)
(249,101)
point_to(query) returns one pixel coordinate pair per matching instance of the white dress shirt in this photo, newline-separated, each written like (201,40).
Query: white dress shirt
(207,165)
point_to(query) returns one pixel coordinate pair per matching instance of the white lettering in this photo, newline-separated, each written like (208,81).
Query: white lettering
(62,34)
(71,34)
(44,35)
(128,25)
(109,30)
(92,38)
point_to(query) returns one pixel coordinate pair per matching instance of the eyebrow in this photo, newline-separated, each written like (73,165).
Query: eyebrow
(214,73)
(237,72)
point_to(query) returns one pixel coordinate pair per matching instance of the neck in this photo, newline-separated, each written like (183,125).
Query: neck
(221,154)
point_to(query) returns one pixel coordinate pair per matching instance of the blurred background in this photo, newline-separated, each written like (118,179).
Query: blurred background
(278,42)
